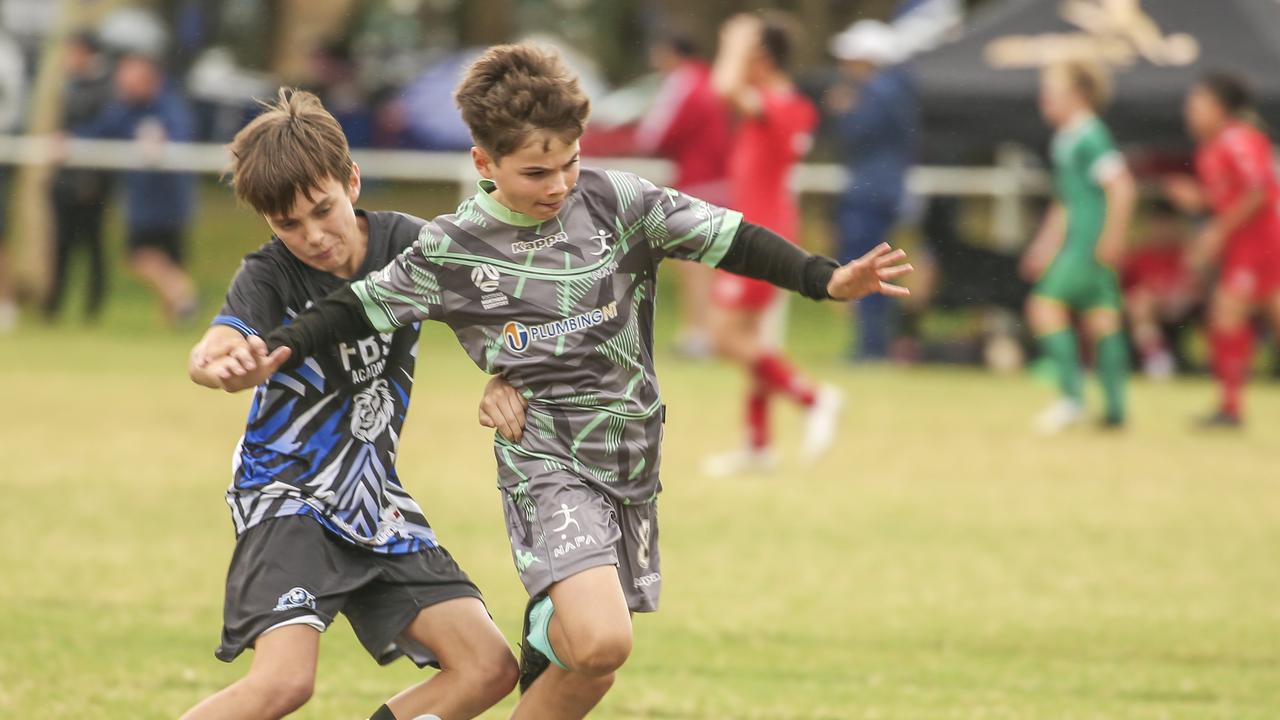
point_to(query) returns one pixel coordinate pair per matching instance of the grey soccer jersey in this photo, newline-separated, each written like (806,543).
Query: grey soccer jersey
(564,310)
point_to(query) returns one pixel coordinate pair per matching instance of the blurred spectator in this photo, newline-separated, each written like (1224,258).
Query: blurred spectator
(159,204)
(1158,291)
(79,195)
(12,98)
(339,89)
(876,117)
(688,125)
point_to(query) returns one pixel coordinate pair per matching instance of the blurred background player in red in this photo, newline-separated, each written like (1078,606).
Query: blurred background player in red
(689,125)
(1238,184)
(774,131)
(1159,297)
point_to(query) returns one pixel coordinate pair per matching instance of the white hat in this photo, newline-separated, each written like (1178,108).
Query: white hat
(869,40)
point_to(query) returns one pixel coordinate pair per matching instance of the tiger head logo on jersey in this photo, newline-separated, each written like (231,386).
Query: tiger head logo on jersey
(516,336)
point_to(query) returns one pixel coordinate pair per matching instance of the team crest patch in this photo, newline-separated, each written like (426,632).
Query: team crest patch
(296,598)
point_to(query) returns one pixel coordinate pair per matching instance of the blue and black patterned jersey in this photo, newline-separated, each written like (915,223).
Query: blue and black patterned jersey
(321,439)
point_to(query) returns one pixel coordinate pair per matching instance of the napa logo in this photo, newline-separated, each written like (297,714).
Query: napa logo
(518,336)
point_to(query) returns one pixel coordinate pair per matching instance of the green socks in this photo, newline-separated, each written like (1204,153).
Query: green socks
(1113,370)
(1060,347)
(539,625)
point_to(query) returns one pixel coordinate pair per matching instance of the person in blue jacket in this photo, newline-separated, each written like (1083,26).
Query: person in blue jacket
(874,112)
(158,204)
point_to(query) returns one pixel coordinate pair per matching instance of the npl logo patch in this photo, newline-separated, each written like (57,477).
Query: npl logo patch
(516,336)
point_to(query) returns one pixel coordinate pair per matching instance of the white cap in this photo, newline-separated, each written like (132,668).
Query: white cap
(869,40)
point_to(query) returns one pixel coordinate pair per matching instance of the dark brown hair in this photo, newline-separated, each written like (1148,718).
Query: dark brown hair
(293,146)
(513,91)
(1231,91)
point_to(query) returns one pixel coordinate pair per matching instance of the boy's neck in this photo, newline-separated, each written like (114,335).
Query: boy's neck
(1076,119)
(358,251)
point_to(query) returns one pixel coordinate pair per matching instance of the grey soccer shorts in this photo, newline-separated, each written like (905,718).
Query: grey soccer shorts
(560,525)
(291,571)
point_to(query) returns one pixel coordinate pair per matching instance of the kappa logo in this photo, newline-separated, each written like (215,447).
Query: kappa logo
(485,277)
(296,598)
(541,243)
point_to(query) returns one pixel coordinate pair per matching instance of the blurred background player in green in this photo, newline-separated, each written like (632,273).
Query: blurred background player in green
(1073,258)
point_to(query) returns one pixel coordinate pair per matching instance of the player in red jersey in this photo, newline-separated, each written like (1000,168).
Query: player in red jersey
(1238,184)
(773,132)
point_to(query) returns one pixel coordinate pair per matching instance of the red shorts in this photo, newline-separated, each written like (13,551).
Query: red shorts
(1251,270)
(741,293)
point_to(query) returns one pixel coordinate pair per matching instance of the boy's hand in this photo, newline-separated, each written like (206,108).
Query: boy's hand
(218,342)
(503,408)
(870,274)
(232,374)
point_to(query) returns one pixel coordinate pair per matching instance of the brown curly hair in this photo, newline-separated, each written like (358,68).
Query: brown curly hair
(514,91)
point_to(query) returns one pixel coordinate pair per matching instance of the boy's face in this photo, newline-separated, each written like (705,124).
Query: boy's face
(1059,101)
(323,232)
(535,179)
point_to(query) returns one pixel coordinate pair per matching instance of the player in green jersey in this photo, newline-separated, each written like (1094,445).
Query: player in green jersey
(1073,258)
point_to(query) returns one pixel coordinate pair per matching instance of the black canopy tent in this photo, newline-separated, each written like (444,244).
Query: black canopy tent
(980,90)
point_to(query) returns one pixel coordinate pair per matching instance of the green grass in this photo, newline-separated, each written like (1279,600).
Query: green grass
(942,563)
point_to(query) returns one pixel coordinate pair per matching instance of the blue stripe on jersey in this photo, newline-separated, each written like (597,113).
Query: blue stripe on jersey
(274,422)
(311,374)
(234,322)
(404,396)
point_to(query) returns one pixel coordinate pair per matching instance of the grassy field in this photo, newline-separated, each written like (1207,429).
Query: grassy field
(942,563)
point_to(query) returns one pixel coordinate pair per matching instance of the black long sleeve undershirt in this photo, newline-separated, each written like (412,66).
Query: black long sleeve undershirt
(338,317)
(756,252)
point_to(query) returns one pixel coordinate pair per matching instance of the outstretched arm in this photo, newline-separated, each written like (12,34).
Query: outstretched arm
(738,39)
(337,318)
(758,252)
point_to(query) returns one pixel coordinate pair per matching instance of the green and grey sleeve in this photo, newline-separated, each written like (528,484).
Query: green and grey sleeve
(684,227)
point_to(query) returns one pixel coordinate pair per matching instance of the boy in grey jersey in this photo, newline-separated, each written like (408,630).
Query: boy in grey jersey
(546,277)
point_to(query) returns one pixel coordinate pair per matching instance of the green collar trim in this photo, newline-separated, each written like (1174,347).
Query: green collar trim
(486,201)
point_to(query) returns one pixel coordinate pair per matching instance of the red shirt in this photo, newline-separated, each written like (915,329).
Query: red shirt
(689,125)
(1234,162)
(1159,267)
(765,148)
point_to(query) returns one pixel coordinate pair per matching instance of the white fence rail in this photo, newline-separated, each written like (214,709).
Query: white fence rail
(1006,183)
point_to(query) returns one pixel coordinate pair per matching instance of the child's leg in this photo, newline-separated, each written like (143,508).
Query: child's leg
(1051,324)
(590,633)
(1231,345)
(1111,359)
(477,668)
(280,680)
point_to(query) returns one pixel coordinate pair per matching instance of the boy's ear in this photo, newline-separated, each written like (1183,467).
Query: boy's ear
(353,184)
(483,161)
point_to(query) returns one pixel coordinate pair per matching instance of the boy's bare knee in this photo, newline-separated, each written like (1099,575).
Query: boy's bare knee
(602,655)
(495,673)
(282,693)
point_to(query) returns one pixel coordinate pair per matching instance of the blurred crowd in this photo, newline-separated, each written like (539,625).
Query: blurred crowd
(157,80)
